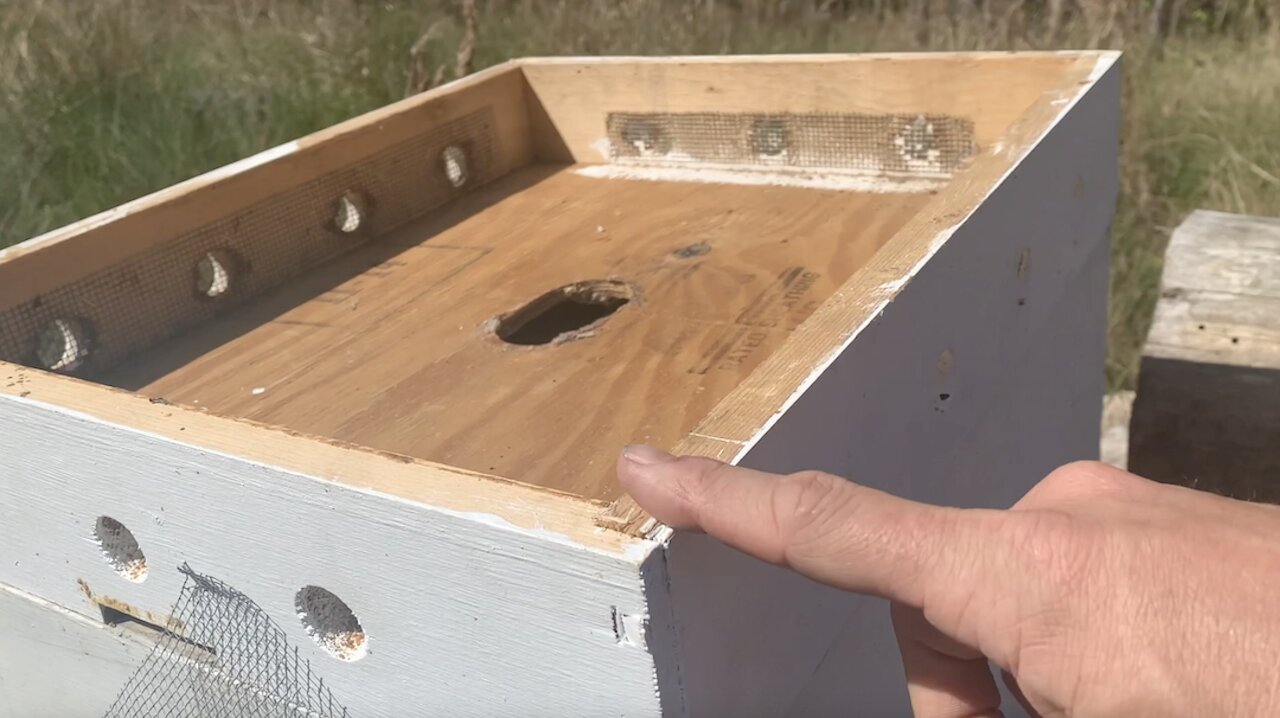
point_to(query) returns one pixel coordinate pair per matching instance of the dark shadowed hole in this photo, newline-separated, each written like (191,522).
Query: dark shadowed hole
(563,313)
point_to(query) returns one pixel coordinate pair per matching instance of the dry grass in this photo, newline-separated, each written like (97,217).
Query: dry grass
(105,101)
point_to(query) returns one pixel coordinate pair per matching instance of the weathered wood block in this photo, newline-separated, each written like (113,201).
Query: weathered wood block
(395,360)
(1207,412)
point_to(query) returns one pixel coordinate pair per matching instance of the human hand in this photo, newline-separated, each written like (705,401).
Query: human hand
(1099,593)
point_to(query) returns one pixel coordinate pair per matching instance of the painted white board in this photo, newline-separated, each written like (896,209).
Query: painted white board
(464,615)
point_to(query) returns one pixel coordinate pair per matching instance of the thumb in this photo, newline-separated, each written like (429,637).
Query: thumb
(834,531)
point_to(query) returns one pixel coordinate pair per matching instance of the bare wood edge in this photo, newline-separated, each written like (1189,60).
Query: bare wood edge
(739,420)
(820,58)
(548,513)
(60,256)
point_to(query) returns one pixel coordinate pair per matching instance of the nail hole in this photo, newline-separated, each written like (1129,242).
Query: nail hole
(213,273)
(943,397)
(331,623)
(62,345)
(120,549)
(1235,340)
(455,165)
(1201,327)
(569,312)
(348,215)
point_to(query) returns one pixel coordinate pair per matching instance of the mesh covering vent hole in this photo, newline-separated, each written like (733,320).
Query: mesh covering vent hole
(348,214)
(331,623)
(769,137)
(455,165)
(214,273)
(570,312)
(646,137)
(62,345)
(120,549)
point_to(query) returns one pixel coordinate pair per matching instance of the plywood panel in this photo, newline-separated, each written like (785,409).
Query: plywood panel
(571,96)
(389,346)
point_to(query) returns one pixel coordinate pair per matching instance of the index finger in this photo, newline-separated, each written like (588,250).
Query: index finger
(825,527)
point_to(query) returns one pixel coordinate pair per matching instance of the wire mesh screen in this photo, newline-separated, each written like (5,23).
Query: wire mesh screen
(88,326)
(908,144)
(223,656)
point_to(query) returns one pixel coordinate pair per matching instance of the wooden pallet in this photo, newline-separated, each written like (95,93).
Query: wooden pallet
(396,359)
(1207,412)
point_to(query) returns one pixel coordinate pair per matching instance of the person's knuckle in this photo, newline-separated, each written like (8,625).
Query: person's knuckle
(809,506)
(1058,547)
(1084,480)
(699,480)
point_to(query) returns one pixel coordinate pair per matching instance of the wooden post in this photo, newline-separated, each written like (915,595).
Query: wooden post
(1207,412)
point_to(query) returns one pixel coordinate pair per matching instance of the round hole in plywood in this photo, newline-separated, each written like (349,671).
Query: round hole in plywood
(454,159)
(120,549)
(214,273)
(62,345)
(348,214)
(563,314)
(331,623)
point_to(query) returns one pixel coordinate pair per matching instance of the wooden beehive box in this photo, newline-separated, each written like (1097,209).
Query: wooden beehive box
(396,360)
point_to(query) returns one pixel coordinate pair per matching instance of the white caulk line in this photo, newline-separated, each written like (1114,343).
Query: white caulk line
(710,175)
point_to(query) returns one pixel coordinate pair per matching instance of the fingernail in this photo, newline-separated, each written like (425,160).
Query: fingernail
(645,455)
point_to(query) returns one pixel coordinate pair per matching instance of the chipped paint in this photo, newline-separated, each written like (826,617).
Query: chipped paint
(156,619)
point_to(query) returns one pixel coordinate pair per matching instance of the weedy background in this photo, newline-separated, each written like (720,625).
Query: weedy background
(102,102)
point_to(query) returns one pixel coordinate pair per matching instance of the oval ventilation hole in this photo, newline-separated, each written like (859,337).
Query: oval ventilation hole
(62,345)
(455,165)
(120,549)
(563,314)
(331,623)
(348,216)
(213,273)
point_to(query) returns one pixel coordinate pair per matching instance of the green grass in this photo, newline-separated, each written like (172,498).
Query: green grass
(106,101)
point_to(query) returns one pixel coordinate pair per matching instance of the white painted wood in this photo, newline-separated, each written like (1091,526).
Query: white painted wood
(958,393)
(465,615)
(59,664)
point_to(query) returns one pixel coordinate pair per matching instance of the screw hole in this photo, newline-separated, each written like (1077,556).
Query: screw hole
(331,623)
(120,549)
(563,314)
(455,165)
(348,215)
(62,345)
(213,273)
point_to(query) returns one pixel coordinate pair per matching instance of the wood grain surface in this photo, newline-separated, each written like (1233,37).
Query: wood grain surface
(391,346)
